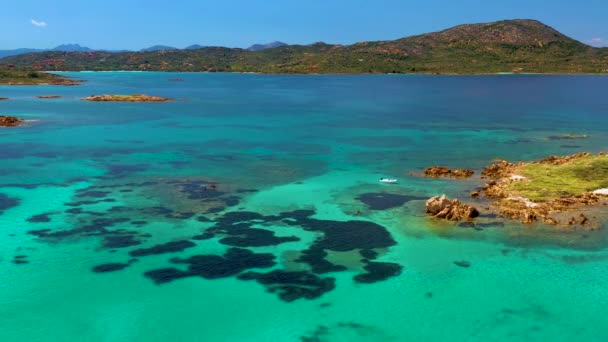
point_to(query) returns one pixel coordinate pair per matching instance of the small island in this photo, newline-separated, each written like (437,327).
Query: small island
(48,97)
(126,98)
(557,190)
(11,77)
(442,171)
(549,190)
(10,121)
(3,98)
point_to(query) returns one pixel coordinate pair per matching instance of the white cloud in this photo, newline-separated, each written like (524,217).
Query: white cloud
(599,42)
(38,23)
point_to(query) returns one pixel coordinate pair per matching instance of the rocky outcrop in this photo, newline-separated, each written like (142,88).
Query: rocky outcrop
(10,121)
(3,98)
(500,169)
(453,210)
(126,98)
(442,171)
(559,160)
(48,97)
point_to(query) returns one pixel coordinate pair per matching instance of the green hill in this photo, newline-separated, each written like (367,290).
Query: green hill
(526,46)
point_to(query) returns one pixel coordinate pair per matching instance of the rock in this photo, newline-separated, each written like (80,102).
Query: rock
(516,209)
(475,193)
(550,220)
(462,263)
(559,160)
(10,121)
(3,98)
(126,98)
(581,220)
(48,96)
(498,170)
(436,204)
(442,171)
(454,210)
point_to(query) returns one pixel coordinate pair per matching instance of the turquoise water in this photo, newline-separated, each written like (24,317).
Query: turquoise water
(112,230)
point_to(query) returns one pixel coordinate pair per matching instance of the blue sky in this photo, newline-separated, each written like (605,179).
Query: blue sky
(135,24)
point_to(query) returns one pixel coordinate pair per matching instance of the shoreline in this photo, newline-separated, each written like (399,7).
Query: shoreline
(331,74)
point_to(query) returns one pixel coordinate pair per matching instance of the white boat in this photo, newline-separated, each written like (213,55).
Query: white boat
(388,180)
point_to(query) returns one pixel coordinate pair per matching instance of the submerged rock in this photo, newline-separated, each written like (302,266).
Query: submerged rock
(567,136)
(10,121)
(442,171)
(453,210)
(462,263)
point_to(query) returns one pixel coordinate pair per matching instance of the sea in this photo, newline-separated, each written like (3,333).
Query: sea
(249,208)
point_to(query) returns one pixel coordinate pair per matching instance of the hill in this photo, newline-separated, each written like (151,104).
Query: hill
(194,47)
(63,47)
(526,46)
(260,47)
(72,48)
(158,48)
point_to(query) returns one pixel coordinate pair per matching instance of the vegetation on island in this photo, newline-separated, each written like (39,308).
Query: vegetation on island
(548,181)
(518,46)
(126,98)
(549,190)
(14,77)
(557,190)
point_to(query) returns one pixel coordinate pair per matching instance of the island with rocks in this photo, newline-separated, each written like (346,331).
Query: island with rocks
(30,77)
(442,171)
(10,121)
(48,96)
(126,98)
(557,190)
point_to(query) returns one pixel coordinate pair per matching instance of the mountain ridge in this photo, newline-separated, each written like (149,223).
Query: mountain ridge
(271,45)
(519,45)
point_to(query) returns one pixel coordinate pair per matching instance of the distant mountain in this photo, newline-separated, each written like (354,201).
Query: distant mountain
(518,46)
(260,47)
(158,48)
(15,52)
(194,47)
(64,47)
(71,48)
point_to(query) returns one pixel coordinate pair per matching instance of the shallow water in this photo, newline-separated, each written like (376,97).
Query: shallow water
(230,214)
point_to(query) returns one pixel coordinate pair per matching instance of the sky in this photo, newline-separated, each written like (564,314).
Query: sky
(136,24)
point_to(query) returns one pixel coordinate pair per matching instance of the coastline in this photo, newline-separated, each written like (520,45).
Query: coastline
(330,74)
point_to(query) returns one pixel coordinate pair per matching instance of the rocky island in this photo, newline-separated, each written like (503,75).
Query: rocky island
(10,121)
(442,171)
(12,77)
(557,190)
(126,98)
(48,97)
